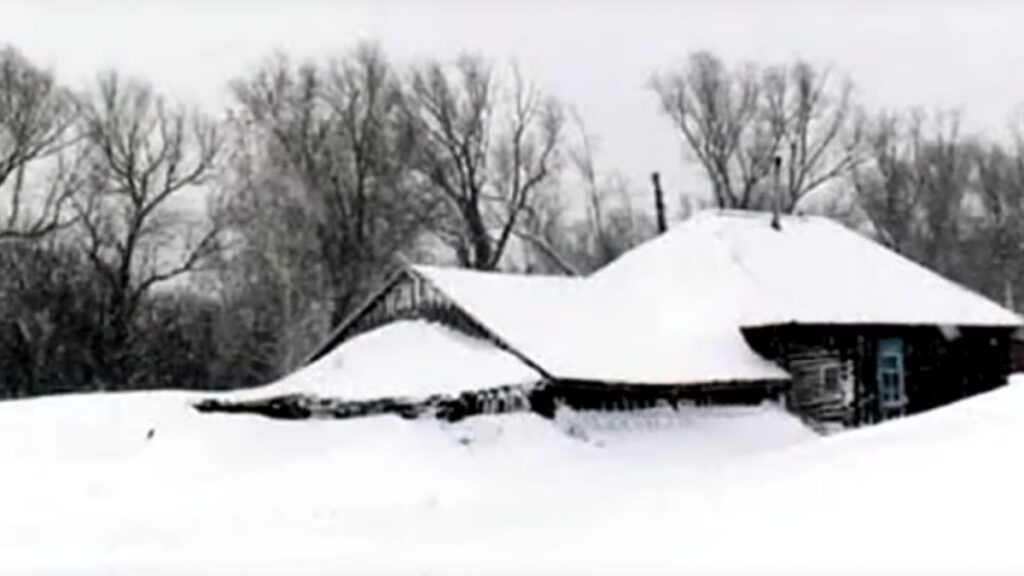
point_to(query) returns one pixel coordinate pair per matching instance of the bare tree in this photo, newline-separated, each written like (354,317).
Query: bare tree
(943,168)
(886,185)
(272,281)
(716,110)
(37,121)
(822,131)
(144,154)
(913,189)
(738,122)
(609,225)
(485,149)
(1000,175)
(332,138)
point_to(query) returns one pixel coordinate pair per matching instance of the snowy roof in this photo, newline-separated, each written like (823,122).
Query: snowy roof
(573,328)
(671,311)
(405,359)
(810,271)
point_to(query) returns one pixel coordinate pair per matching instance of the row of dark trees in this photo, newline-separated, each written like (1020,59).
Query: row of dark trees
(144,244)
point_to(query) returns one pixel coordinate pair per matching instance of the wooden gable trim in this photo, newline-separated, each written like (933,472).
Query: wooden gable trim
(490,333)
(337,334)
(407,272)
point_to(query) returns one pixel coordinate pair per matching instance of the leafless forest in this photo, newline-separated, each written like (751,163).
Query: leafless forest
(147,244)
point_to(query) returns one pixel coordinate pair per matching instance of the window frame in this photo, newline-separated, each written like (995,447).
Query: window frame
(824,369)
(892,392)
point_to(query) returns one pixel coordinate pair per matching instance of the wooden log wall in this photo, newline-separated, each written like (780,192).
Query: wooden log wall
(447,408)
(809,394)
(805,354)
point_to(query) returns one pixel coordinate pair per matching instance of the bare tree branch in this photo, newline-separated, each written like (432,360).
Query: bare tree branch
(736,122)
(485,149)
(142,153)
(37,120)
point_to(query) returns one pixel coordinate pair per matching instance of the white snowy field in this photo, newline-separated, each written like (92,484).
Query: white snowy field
(724,491)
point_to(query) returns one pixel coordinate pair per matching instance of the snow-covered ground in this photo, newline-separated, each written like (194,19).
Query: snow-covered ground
(83,491)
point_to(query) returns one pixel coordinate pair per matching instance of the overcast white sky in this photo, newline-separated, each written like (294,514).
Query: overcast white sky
(595,55)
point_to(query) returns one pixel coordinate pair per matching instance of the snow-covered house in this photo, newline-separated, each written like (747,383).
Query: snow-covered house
(724,307)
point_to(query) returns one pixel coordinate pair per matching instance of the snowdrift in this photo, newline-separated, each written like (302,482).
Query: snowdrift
(140,484)
(410,359)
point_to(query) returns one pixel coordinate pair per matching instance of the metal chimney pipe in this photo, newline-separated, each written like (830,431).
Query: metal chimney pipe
(659,202)
(777,195)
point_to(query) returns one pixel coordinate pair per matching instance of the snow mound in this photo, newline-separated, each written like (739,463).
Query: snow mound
(87,490)
(709,430)
(406,359)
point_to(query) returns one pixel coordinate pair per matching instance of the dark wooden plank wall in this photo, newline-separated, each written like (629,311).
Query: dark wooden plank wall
(939,368)
(444,407)
(942,370)
(1017,353)
(589,395)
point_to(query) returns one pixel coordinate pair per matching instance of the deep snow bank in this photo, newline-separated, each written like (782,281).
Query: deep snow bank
(725,491)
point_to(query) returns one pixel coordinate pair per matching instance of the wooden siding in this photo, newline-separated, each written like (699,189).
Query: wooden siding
(941,371)
(1017,346)
(450,408)
(407,296)
(410,298)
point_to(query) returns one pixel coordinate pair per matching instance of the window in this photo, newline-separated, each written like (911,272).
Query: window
(831,378)
(891,392)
